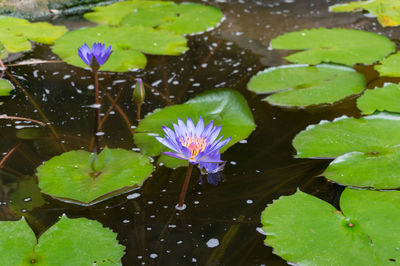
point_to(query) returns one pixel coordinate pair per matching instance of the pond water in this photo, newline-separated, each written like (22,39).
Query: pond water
(220,224)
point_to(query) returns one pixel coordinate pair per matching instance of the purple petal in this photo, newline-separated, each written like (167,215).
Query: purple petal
(175,155)
(167,143)
(207,130)
(199,127)
(218,145)
(214,134)
(190,127)
(182,126)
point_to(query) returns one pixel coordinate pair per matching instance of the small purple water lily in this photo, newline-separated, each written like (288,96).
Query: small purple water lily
(96,56)
(196,144)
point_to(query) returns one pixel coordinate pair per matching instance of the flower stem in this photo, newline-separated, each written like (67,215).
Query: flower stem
(139,107)
(97,111)
(185,186)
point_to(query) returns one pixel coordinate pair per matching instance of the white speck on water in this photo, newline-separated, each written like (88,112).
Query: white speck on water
(153,255)
(232,162)
(133,196)
(194,260)
(27,199)
(125,221)
(149,202)
(180,208)
(99,133)
(90,87)
(156,83)
(171,225)
(196,202)
(249,201)
(244,141)
(261,231)
(212,243)
(179,242)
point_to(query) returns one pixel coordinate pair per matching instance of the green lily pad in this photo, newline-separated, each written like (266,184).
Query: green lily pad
(15,34)
(387,11)
(79,176)
(186,18)
(367,149)
(305,230)
(113,14)
(380,99)
(224,106)
(128,45)
(389,67)
(303,85)
(344,46)
(5,87)
(68,242)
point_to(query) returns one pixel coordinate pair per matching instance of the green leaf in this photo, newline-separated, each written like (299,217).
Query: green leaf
(389,67)
(5,87)
(367,149)
(15,34)
(344,46)
(128,45)
(224,106)
(380,99)
(387,11)
(114,13)
(186,18)
(303,85)
(68,242)
(71,174)
(305,230)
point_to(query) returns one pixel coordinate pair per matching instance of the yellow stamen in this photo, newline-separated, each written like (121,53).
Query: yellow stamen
(194,144)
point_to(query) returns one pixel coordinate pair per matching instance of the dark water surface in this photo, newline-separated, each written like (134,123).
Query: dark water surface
(259,170)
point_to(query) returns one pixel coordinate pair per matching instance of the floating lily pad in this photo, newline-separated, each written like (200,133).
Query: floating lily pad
(303,85)
(113,14)
(68,242)
(227,108)
(389,67)
(128,44)
(380,99)
(305,230)
(15,34)
(5,87)
(185,18)
(344,46)
(387,11)
(367,149)
(79,176)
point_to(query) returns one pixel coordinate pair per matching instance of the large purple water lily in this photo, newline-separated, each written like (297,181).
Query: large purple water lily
(96,56)
(196,144)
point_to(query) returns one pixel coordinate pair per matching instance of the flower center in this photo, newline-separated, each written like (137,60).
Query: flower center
(194,144)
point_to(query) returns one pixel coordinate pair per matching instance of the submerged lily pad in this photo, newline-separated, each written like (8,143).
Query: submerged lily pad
(344,46)
(185,18)
(68,242)
(227,108)
(80,176)
(390,66)
(305,230)
(128,44)
(380,99)
(25,196)
(15,34)
(5,87)
(387,11)
(367,149)
(303,85)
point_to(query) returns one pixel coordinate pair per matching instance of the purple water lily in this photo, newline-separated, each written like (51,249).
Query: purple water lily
(196,144)
(96,56)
